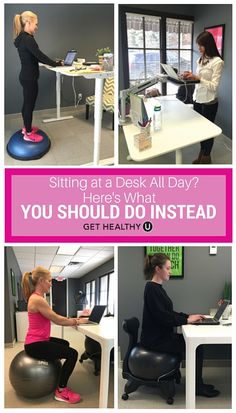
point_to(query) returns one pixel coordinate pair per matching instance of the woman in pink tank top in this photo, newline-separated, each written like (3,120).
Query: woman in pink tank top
(38,342)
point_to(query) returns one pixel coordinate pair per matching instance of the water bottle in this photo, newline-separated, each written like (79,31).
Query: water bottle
(157,117)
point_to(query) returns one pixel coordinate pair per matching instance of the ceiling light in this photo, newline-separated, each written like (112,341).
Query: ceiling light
(70,249)
(55,269)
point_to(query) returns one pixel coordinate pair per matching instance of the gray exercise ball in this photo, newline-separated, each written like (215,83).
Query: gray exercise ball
(33,378)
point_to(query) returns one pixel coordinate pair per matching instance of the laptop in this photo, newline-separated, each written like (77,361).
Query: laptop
(216,319)
(96,314)
(174,77)
(70,57)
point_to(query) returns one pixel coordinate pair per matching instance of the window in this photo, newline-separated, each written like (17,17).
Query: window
(90,294)
(106,291)
(178,47)
(143,33)
(144,46)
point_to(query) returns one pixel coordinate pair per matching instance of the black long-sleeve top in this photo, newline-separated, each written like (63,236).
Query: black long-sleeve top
(30,56)
(159,318)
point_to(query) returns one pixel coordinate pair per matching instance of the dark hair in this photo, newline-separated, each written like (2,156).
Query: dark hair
(207,40)
(153,261)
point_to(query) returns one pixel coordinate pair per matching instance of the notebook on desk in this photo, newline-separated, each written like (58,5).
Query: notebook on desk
(216,319)
(137,110)
(174,77)
(96,315)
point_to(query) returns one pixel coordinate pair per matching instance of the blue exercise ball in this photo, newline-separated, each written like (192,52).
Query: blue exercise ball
(23,150)
(33,378)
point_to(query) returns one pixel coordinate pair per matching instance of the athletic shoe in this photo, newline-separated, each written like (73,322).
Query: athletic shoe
(33,129)
(67,396)
(33,137)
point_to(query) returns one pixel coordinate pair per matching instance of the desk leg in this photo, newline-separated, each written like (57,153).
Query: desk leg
(58,102)
(190,375)
(178,156)
(97,119)
(104,375)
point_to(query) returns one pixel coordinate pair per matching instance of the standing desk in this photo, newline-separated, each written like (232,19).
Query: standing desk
(181,127)
(104,334)
(194,336)
(99,81)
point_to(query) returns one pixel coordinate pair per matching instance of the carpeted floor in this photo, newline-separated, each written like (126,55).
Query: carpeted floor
(71,140)
(151,398)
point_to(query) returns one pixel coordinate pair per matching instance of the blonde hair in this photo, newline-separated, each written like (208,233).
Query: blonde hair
(30,280)
(20,21)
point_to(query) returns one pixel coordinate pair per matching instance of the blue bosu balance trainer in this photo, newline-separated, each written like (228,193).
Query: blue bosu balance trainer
(23,150)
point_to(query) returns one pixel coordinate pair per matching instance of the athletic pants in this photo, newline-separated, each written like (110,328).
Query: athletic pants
(30,93)
(55,348)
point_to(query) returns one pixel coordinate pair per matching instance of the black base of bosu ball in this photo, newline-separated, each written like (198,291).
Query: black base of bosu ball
(23,150)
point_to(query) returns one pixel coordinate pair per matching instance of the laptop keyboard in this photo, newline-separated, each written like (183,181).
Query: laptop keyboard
(206,321)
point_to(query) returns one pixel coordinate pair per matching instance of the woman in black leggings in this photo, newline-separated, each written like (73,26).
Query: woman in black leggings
(159,319)
(25,26)
(38,343)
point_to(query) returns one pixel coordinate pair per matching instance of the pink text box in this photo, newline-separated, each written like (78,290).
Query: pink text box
(118,205)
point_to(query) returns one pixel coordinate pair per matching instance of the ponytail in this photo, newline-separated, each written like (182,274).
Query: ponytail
(20,21)
(153,261)
(30,280)
(27,285)
(17,25)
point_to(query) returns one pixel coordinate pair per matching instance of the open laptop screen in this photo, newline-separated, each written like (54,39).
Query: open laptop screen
(70,57)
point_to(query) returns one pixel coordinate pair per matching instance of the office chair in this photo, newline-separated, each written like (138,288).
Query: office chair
(93,352)
(145,367)
(107,100)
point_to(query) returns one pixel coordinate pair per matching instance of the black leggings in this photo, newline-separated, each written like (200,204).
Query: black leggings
(209,112)
(55,348)
(176,345)
(30,93)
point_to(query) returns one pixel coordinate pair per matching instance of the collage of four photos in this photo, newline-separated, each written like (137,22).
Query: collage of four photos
(144,325)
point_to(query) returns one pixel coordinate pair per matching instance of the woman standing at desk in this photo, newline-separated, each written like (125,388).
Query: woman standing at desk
(38,343)
(24,27)
(159,319)
(208,72)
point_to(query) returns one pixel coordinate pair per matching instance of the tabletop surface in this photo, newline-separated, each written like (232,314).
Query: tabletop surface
(205,332)
(181,127)
(105,330)
(87,73)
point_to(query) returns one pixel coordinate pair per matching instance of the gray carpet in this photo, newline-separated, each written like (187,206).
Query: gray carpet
(71,140)
(151,398)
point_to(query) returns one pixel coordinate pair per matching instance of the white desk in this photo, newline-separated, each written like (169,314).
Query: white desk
(194,336)
(104,334)
(181,127)
(99,80)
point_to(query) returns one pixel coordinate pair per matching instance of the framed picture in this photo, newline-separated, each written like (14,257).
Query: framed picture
(13,283)
(218,34)
(176,255)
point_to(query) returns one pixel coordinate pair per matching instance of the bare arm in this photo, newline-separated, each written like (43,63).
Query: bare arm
(41,305)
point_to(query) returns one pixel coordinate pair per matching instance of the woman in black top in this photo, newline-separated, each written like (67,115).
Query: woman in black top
(25,26)
(159,319)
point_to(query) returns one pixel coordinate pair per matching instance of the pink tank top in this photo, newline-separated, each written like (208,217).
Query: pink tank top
(39,328)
